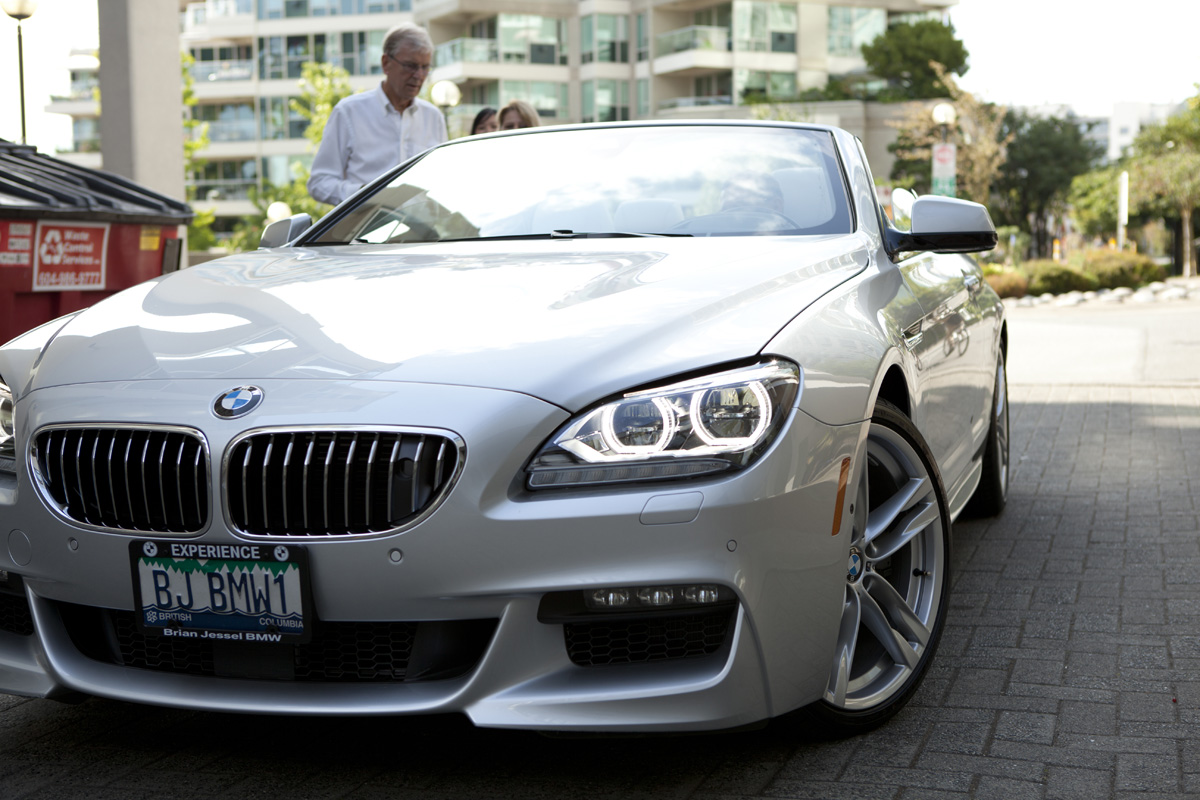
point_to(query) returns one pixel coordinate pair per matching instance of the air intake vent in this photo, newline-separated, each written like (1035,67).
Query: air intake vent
(336,483)
(152,479)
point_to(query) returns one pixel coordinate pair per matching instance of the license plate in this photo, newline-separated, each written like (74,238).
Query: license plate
(221,592)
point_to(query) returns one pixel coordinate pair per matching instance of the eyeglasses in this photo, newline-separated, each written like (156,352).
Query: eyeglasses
(411,66)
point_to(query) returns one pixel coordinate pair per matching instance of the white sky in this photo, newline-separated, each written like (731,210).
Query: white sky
(1088,55)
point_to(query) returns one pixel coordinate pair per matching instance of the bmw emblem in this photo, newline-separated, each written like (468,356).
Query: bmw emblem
(150,549)
(237,402)
(855,566)
(281,553)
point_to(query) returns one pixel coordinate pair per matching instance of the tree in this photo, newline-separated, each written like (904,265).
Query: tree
(1093,201)
(978,135)
(322,86)
(903,54)
(1165,169)
(195,139)
(1044,156)
(1173,178)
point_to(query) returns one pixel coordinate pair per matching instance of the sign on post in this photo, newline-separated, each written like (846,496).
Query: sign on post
(945,164)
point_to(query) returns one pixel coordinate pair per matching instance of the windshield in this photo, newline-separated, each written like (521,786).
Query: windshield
(719,180)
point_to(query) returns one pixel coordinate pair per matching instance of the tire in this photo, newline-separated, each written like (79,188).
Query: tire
(992,494)
(897,581)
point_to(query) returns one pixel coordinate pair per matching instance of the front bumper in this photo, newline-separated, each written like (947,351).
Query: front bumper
(492,551)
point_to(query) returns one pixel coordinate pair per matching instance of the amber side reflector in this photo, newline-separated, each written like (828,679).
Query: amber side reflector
(843,479)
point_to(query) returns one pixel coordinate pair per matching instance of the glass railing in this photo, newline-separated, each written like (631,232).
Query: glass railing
(233,130)
(487,51)
(692,102)
(223,70)
(458,51)
(197,14)
(213,191)
(696,37)
(78,92)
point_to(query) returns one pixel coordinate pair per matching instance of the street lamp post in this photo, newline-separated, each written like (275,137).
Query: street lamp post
(445,95)
(945,155)
(20,10)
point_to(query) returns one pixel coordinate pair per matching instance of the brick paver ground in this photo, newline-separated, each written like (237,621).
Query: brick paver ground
(1070,668)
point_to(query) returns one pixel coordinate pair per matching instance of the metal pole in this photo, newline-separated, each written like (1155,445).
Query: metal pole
(1122,208)
(21,73)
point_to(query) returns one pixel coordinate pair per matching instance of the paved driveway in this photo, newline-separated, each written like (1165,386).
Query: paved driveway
(1070,666)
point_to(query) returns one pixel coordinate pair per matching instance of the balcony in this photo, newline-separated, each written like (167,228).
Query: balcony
(695,37)
(468,59)
(216,17)
(216,190)
(459,51)
(695,102)
(234,130)
(695,50)
(205,71)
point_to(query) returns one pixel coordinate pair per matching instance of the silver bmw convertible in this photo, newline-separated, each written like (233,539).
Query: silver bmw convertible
(631,427)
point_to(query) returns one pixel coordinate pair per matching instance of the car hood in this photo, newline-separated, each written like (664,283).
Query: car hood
(566,321)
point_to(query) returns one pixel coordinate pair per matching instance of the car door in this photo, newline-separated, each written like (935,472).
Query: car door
(951,350)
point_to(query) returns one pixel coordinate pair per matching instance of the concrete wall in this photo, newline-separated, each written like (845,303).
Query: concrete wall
(140,94)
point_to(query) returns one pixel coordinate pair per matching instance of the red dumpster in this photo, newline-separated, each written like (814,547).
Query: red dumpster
(71,236)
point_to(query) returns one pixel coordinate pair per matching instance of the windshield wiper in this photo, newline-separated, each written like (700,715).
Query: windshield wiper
(567,234)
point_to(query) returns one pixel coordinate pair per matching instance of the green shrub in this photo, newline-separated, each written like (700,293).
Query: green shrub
(1113,268)
(1051,276)
(1007,282)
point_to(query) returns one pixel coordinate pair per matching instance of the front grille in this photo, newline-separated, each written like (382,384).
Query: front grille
(138,479)
(647,638)
(335,483)
(339,652)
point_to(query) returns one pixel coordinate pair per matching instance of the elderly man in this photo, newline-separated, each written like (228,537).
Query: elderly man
(369,133)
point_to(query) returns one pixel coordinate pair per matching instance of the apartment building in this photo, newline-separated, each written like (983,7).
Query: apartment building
(574,60)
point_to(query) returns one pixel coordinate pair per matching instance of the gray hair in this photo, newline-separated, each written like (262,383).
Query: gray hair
(410,34)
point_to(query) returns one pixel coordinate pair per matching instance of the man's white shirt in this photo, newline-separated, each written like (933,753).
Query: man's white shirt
(365,137)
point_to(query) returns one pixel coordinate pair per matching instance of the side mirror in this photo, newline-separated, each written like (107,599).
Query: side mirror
(282,231)
(945,225)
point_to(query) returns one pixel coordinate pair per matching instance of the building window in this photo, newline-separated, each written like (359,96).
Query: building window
(764,27)
(756,86)
(530,39)
(277,119)
(280,9)
(548,97)
(605,39)
(359,53)
(227,122)
(605,101)
(225,180)
(85,134)
(643,37)
(643,98)
(851,28)
(282,170)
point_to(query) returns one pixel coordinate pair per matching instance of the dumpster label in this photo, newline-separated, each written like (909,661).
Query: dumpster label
(69,256)
(16,243)
(150,238)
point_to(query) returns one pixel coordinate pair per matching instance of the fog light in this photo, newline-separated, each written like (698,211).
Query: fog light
(656,596)
(608,598)
(702,594)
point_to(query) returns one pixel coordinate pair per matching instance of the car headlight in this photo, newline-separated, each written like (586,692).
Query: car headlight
(695,427)
(8,430)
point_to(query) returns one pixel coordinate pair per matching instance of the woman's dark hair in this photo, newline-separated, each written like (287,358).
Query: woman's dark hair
(481,118)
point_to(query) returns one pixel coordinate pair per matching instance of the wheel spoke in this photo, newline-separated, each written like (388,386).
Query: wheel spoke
(912,522)
(902,617)
(889,510)
(839,678)
(897,646)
